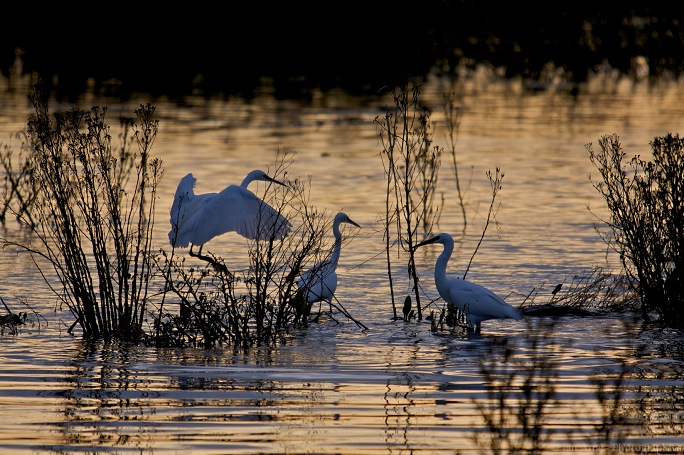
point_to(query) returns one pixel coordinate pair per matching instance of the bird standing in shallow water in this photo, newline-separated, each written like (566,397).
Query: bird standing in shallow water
(477,302)
(319,283)
(198,218)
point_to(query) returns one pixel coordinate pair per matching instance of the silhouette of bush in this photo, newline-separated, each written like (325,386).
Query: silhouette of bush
(411,162)
(89,208)
(91,214)
(646,203)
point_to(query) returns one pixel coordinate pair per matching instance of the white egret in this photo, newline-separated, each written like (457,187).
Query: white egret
(198,218)
(319,283)
(477,302)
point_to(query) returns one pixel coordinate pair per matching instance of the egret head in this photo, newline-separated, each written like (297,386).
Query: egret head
(258,174)
(344,218)
(440,238)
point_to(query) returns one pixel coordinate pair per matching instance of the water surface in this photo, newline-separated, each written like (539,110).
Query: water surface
(395,387)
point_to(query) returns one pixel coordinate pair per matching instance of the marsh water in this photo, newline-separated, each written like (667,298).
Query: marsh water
(395,387)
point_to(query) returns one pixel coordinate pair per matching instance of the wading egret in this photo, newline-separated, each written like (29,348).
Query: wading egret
(319,283)
(198,218)
(477,302)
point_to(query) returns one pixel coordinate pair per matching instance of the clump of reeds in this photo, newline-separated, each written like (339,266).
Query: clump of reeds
(520,393)
(646,203)
(18,192)
(521,376)
(581,293)
(90,206)
(411,164)
(412,209)
(91,213)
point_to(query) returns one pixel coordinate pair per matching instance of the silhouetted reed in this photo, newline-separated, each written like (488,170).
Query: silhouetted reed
(646,203)
(18,192)
(411,164)
(521,376)
(452,119)
(614,424)
(92,213)
(520,392)
(580,293)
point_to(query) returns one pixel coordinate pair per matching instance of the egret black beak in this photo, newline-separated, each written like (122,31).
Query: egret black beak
(275,181)
(350,221)
(427,242)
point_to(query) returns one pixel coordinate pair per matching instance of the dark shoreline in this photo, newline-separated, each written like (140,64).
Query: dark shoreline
(356,47)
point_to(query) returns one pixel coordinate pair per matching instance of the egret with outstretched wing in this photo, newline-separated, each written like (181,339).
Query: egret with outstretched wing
(198,218)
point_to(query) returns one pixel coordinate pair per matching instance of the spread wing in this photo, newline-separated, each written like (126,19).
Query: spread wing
(185,205)
(238,209)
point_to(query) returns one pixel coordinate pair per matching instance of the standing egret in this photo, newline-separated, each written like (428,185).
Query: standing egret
(477,302)
(319,283)
(198,218)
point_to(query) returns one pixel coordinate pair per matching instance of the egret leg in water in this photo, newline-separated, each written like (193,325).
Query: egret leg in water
(477,302)
(198,218)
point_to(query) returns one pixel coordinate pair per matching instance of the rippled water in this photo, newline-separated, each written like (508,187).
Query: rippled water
(396,387)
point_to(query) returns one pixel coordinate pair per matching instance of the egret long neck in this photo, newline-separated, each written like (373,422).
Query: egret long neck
(441,265)
(338,244)
(249,178)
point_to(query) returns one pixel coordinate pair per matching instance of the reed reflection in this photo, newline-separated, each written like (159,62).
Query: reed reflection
(104,392)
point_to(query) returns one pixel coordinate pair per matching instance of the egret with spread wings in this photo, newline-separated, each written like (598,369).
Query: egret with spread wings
(198,218)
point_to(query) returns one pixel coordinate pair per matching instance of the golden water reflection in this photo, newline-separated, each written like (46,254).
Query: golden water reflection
(421,393)
(397,387)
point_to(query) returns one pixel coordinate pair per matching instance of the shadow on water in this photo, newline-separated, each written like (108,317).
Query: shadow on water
(542,385)
(544,390)
(538,387)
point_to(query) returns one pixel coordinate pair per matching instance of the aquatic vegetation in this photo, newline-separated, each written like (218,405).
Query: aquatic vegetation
(255,306)
(646,225)
(92,213)
(520,393)
(411,165)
